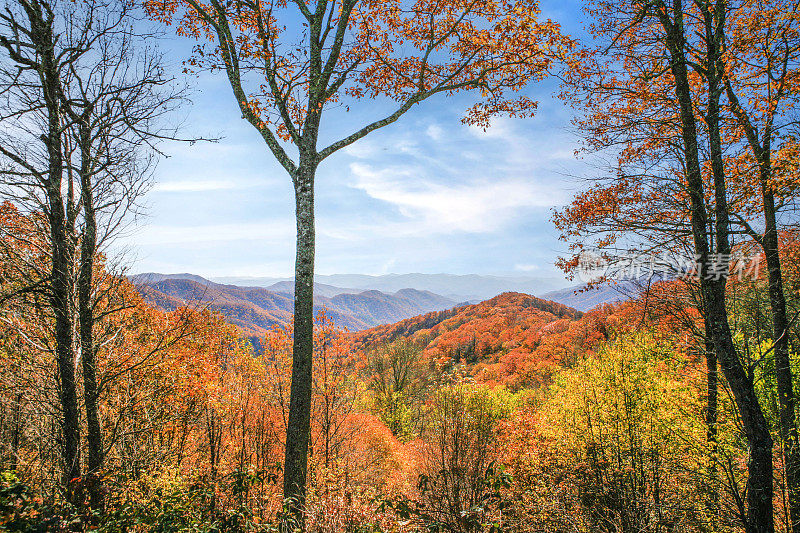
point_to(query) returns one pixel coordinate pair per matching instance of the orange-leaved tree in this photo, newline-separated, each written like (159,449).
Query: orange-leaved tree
(289,62)
(654,94)
(762,85)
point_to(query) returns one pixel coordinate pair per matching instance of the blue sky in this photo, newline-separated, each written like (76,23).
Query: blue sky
(426,194)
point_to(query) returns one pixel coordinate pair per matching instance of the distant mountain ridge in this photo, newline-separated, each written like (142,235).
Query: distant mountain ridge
(458,287)
(320,289)
(155,277)
(257,309)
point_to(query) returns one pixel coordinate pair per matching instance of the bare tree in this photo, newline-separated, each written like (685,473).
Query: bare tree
(34,174)
(117,99)
(87,99)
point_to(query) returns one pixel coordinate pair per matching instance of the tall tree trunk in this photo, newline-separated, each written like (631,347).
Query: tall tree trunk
(759,517)
(94,433)
(759,467)
(60,219)
(61,303)
(783,370)
(299,423)
(759,483)
(761,149)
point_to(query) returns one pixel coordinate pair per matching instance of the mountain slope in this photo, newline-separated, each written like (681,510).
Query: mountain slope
(501,312)
(253,311)
(375,307)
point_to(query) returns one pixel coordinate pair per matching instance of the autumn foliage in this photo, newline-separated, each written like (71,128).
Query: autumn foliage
(507,413)
(671,411)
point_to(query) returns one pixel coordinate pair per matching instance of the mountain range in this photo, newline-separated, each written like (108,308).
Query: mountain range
(461,288)
(256,309)
(366,301)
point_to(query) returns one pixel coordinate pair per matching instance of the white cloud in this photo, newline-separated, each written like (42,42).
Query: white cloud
(474,206)
(193,186)
(526,268)
(500,128)
(435,132)
(361,149)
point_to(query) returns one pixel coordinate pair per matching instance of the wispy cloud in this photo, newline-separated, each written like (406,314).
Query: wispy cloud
(435,132)
(474,206)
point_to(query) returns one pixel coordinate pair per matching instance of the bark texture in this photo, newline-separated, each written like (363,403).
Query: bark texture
(299,423)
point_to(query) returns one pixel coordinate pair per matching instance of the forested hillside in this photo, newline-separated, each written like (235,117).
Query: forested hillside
(513,339)
(548,407)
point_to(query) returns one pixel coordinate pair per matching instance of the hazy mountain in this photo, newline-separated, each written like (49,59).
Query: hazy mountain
(155,277)
(461,288)
(458,287)
(383,299)
(320,289)
(256,309)
(578,297)
(375,307)
(249,281)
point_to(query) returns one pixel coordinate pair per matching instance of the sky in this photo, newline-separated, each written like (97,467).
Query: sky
(426,194)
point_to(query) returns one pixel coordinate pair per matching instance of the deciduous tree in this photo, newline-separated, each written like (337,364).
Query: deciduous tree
(288,63)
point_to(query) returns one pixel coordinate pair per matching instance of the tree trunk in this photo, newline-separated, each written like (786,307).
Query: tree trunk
(761,149)
(61,303)
(759,467)
(62,247)
(712,395)
(94,433)
(299,423)
(783,371)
